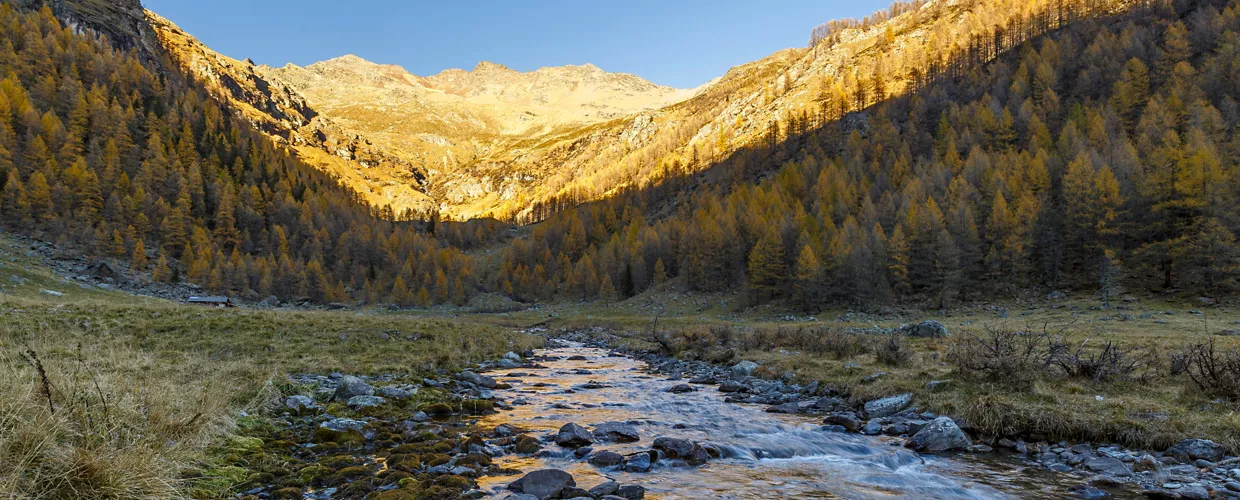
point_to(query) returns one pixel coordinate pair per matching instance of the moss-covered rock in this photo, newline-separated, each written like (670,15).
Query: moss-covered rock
(527,445)
(438,409)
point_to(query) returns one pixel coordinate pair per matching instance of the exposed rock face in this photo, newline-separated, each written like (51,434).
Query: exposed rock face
(122,21)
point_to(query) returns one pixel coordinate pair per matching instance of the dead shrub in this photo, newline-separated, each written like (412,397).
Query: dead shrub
(1002,355)
(1108,363)
(1213,369)
(894,351)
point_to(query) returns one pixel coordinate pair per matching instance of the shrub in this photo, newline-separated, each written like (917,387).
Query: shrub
(1002,355)
(1213,369)
(894,351)
(1111,362)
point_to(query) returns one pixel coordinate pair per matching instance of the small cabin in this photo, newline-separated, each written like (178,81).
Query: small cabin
(213,301)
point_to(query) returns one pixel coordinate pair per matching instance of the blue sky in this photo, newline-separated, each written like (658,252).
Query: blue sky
(682,43)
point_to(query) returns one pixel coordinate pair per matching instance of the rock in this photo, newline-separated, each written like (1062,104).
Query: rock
(785,408)
(1194,449)
(544,484)
(396,393)
(583,451)
(573,436)
(606,459)
(1146,463)
(476,379)
(638,462)
(732,386)
(527,445)
(744,369)
(940,435)
(301,404)
(846,419)
(681,389)
(507,363)
(928,329)
(872,428)
(887,406)
(512,356)
(340,430)
(873,376)
(51,293)
(360,402)
(832,428)
(270,301)
(616,432)
(349,386)
(631,492)
(1108,466)
(682,449)
(602,490)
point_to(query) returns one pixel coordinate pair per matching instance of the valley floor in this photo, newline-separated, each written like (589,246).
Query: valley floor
(125,396)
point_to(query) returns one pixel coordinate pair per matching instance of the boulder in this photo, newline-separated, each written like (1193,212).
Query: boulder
(681,388)
(887,406)
(544,484)
(683,449)
(340,430)
(349,386)
(606,459)
(846,419)
(602,490)
(744,369)
(1108,466)
(1189,450)
(573,436)
(300,405)
(396,393)
(638,462)
(732,386)
(616,432)
(928,329)
(940,435)
(631,492)
(360,402)
(476,379)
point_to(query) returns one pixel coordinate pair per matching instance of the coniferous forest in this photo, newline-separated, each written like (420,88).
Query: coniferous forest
(1100,156)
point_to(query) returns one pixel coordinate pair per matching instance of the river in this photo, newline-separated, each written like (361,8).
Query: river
(765,455)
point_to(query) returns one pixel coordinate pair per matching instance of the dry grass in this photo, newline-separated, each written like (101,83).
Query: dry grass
(103,400)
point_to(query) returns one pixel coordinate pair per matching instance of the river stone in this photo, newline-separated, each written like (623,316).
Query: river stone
(683,449)
(616,431)
(606,459)
(512,356)
(360,402)
(847,419)
(300,404)
(1194,449)
(1108,466)
(507,364)
(396,393)
(602,490)
(872,428)
(350,386)
(631,492)
(732,386)
(925,329)
(887,406)
(940,435)
(681,389)
(544,484)
(638,462)
(478,380)
(744,368)
(573,436)
(1146,463)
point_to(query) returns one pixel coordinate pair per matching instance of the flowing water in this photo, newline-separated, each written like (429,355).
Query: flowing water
(765,455)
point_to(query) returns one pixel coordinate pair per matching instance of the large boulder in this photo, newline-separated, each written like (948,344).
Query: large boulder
(544,484)
(478,380)
(573,436)
(616,432)
(350,386)
(744,369)
(928,329)
(683,449)
(940,435)
(1189,450)
(887,406)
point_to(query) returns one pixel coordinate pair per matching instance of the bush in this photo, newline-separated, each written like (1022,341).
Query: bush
(1111,362)
(1002,355)
(894,351)
(1213,369)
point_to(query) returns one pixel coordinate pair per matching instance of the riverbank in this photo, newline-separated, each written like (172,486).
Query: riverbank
(1189,468)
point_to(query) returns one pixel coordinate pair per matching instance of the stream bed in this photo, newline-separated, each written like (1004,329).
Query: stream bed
(763,455)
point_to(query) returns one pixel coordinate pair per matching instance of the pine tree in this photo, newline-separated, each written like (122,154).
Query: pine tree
(660,272)
(162,273)
(137,259)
